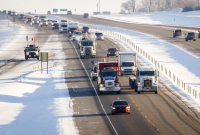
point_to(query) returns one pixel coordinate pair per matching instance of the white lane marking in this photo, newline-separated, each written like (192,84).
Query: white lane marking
(93,86)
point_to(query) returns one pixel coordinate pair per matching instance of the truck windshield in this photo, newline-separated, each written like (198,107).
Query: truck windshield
(109,73)
(127,64)
(87,43)
(146,73)
(64,26)
(98,34)
(31,49)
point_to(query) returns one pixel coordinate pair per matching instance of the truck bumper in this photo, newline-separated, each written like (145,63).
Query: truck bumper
(103,89)
(150,89)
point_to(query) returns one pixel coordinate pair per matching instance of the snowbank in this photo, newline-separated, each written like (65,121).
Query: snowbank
(169,17)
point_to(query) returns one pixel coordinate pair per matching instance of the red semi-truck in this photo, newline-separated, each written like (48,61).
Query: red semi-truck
(108,77)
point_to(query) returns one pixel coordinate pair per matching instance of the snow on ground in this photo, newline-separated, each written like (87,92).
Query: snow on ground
(34,103)
(169,17)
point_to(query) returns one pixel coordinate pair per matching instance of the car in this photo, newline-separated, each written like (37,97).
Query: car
(199,34)
(85,29)
(177,33)
(85,15)
(76,33)
(31,51)
(94,73)
(99,36)
(190,36)
(63,21)
(120,106)
(43,23)
(24,18)
(29,20)
(112,52)
(53,21)
(35,22)
(21,16)
(49,21)
(69,12)
(55,26)
(36,17)
(63,28)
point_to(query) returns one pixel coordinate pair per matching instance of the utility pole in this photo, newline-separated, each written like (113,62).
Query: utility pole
(99,6)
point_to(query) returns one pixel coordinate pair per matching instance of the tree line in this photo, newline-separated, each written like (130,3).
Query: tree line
(131,6)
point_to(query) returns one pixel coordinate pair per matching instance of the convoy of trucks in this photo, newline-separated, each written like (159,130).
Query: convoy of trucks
(142,79)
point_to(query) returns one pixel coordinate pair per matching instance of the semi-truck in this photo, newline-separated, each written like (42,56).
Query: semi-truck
(145,80)
(127,63)
(108,77)
(88,48)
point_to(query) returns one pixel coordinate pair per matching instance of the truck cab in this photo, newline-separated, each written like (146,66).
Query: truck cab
(127,63)
(31,51)
(63,28)
(108,77)
(146,80)
(88,48)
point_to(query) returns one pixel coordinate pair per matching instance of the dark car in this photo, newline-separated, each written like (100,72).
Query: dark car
(55,26)
(21,16)
(29,20)
(112,52)
(85,29)
(85,15)
(120,106)
(177,33)
(190,36)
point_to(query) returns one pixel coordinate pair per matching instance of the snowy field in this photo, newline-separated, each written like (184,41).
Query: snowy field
(170,17)
(35,103)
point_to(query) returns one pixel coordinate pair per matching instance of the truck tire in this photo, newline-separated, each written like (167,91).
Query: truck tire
(136,89)
(156,92)
(132,84)
(26,57)
(138,92)
(112,113)
(129,113)
(130,81)
(107,55)
(38,58)
(93,79)
(118,92)
(121,74)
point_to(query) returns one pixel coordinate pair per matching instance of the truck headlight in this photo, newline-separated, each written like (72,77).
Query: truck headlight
(113,108)
(101,85)
(27,53)
(122,70)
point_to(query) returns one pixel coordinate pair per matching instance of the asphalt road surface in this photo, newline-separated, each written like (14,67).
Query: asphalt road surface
(150,113)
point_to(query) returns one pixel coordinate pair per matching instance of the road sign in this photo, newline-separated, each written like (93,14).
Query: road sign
(63,9)
(44,58)
(55,10)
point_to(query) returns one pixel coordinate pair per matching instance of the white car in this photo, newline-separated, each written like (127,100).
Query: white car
(63,28)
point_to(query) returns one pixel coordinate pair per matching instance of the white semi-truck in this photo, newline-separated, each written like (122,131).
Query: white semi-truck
(145,80)
(127,63)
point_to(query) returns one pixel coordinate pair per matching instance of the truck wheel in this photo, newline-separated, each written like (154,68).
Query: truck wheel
(130,81)
(38,58)
(121,74)
(118,92)
(136,89)
(26,57)
(100,92)
(93,79)
(107,55)
(129,113)
(132,84)
(156,92)
(194,39)
(112,113)
(138,92)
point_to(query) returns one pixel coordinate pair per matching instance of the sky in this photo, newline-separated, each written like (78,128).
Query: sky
(42,6)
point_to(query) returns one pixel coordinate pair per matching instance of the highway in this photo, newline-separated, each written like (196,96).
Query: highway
(150,113)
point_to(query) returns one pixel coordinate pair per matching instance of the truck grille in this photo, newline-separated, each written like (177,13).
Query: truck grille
(147,83)
(88,51)
(109,83)
(127,70)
